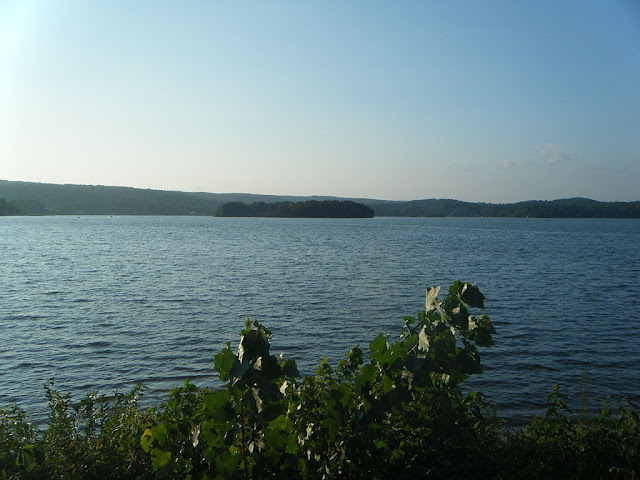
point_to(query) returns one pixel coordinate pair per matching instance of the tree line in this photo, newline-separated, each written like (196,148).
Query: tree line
(563,208)
(29,198)
(309,209)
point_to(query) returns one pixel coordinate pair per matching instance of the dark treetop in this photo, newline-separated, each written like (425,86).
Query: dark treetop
(309,209)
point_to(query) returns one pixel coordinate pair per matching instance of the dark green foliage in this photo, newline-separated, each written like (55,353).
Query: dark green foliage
(310,209)
(97,438)
(398,412)
(390,418)
(8,208)
(563,208)
(557,446)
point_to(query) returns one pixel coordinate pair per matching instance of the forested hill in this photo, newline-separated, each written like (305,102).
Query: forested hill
(309,209)
(564,208)
(29,198)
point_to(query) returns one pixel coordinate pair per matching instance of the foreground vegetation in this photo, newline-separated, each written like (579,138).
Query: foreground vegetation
(398,412)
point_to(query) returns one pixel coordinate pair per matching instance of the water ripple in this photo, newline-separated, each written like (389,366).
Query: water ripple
(103,304)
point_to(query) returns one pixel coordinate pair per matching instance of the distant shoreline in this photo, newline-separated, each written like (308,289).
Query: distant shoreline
(30,198)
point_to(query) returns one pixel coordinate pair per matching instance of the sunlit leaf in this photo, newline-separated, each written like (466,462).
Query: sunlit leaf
(146,440)
(423,340)
(432,298)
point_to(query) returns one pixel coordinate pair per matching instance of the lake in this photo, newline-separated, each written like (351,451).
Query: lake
(107,302)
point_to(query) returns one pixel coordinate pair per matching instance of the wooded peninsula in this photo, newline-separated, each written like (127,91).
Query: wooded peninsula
(29,198)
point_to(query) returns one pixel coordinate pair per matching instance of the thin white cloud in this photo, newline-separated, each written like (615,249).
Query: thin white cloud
(551,153)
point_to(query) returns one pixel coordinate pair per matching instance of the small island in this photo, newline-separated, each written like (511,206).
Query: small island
(308,209)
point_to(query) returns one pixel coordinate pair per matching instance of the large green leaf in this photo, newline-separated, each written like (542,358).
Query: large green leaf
(275,435)
(290,369)
(456,288)
(223,362)
(146,440)
(217,400)
(365,378)
(269,367)
(472,296)
(159,458)
(378,346)
(28,456)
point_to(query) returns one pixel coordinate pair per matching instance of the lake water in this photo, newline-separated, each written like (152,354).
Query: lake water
(107,302)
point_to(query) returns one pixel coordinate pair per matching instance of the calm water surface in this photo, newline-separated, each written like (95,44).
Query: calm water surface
(105,303)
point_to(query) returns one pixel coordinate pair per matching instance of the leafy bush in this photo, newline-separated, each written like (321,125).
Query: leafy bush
(397,412)
(555,446)
(96,438)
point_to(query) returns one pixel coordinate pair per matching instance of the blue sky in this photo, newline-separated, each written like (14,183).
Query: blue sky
(494,101)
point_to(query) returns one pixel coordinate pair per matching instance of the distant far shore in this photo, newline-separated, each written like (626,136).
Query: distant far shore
(30,198)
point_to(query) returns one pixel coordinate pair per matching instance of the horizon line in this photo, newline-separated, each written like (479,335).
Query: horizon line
(311,195)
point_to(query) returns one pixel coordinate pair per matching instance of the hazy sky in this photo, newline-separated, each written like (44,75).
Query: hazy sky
(493,101)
